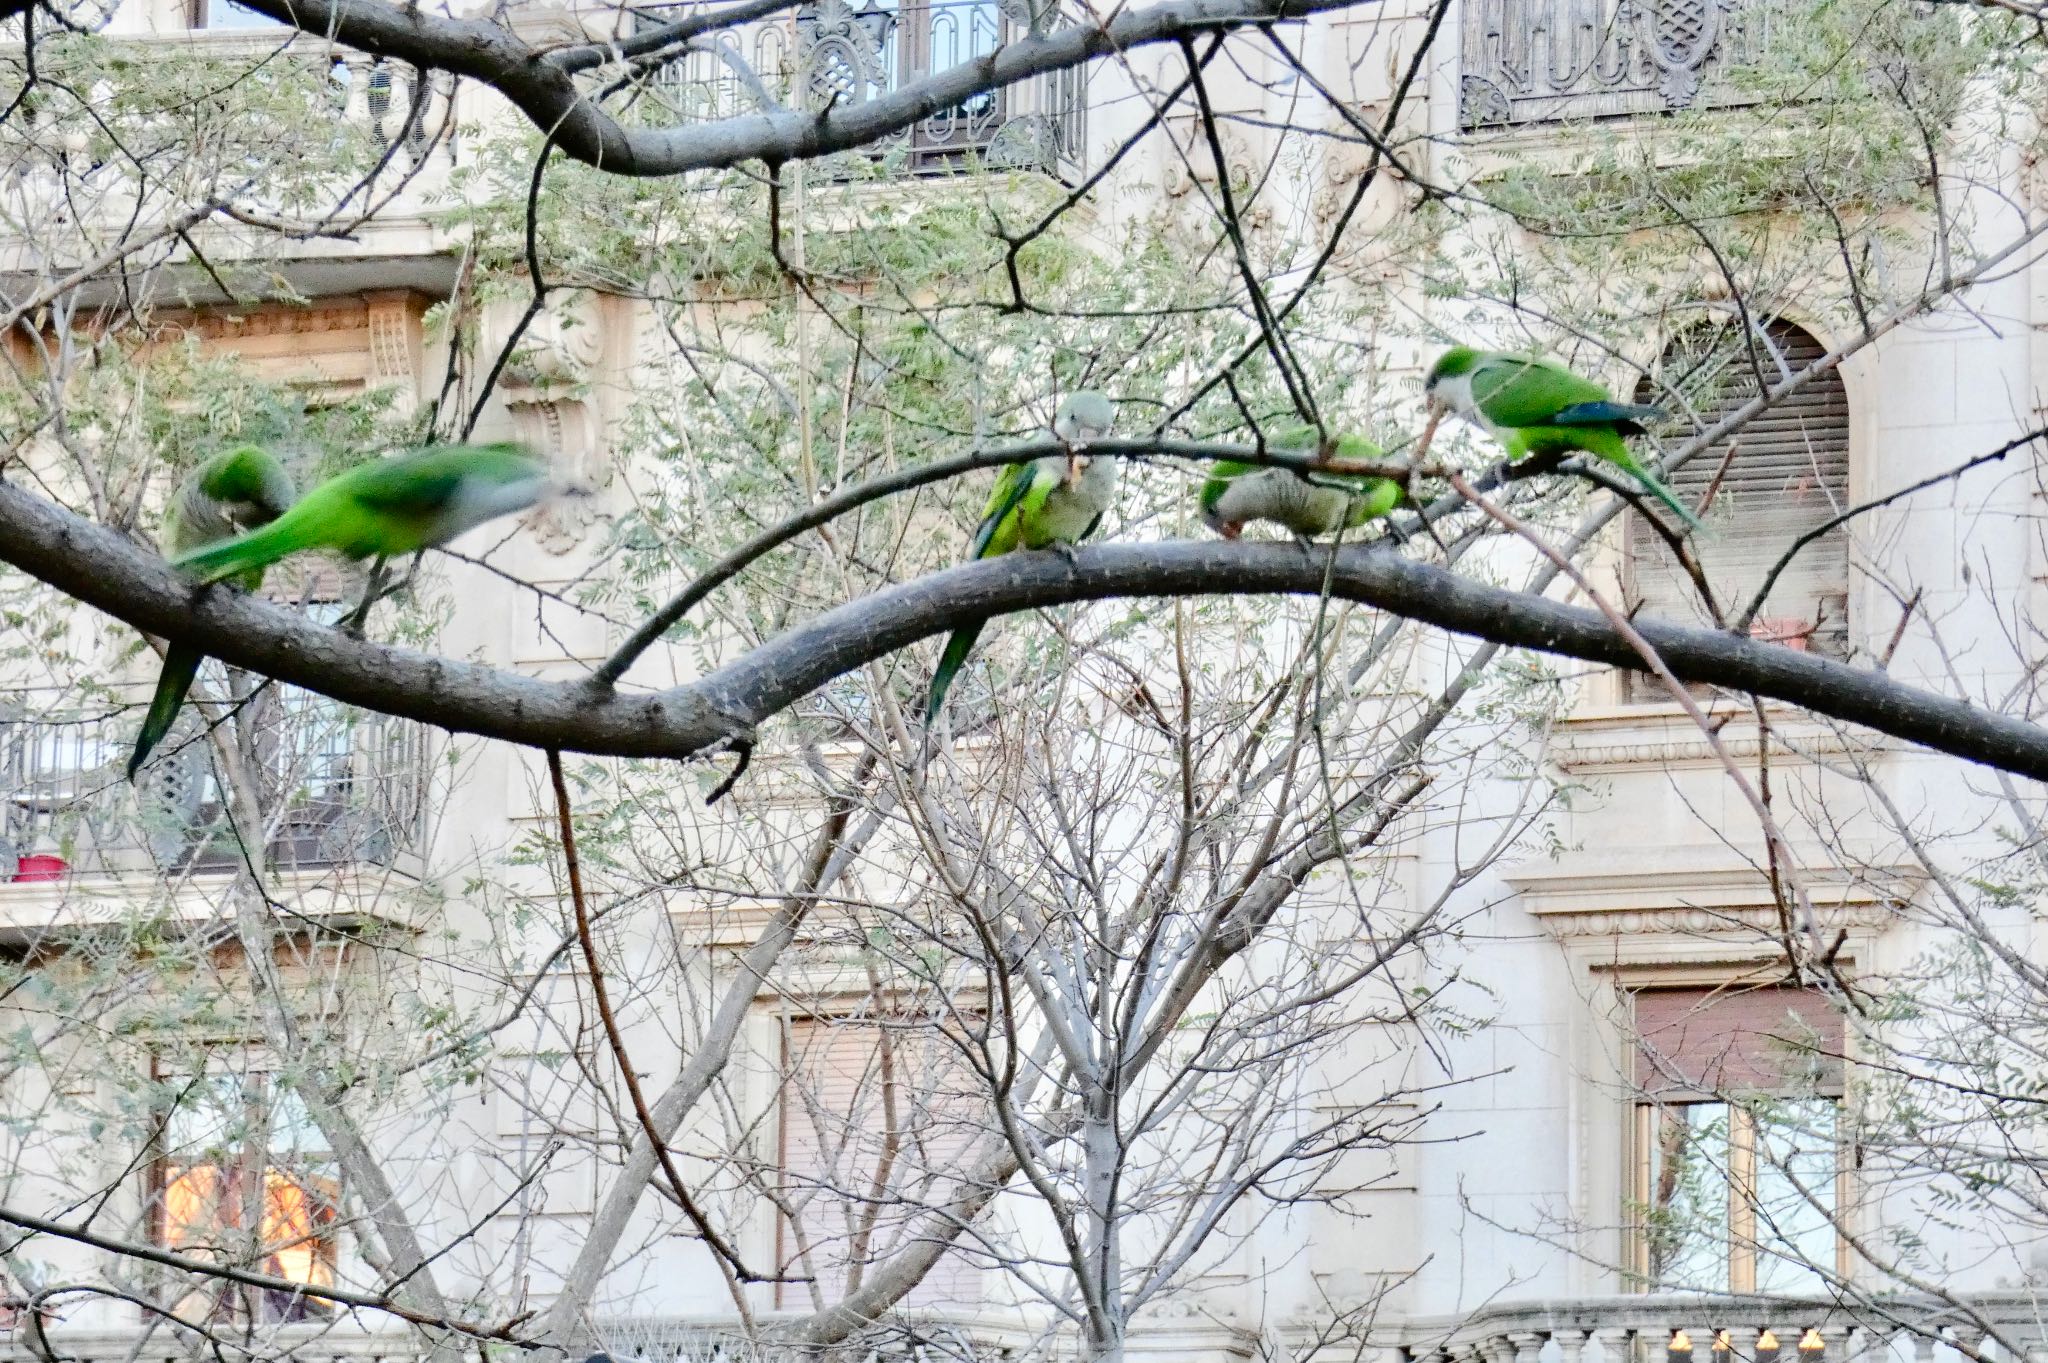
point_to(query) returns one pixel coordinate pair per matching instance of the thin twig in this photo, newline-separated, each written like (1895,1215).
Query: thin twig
(731,1266)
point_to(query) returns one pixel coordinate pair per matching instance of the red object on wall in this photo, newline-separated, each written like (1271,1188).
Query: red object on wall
(40,866)
(1789,630)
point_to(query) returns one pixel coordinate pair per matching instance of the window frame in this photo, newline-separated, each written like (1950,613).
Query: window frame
(790,1108)
(1779,335)
(253,1069)
(1642,1113)
(1740,1181)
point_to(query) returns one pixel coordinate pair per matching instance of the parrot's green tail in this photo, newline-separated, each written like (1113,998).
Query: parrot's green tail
(252,552)
(957,648)
(1661,493)
(181,665)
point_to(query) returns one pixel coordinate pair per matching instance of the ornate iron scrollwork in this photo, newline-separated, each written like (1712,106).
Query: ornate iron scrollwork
(1683,35)
(1532,61)
(1026,142)
(1482,104)
(842,53)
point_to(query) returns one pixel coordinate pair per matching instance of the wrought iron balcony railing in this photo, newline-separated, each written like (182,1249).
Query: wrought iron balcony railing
(1536,61)
(833,54)
(332,784)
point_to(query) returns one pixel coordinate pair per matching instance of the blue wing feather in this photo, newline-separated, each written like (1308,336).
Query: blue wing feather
(1618,414)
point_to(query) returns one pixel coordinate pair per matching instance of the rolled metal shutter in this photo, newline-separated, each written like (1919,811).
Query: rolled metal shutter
(1692,1044)
(1788,473)
(861,1158)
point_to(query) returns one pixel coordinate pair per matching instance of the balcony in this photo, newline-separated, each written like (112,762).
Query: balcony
(831,54)
(356,137)
(335,785)
(1545,61)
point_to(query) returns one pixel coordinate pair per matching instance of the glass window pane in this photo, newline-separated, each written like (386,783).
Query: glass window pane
(293,1134)
(1686,1221)
(1795,1195)
(209,1116)
(245,1169)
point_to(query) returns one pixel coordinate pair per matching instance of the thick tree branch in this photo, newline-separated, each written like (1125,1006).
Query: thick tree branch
(130,1249)
(105,570)
(543,86)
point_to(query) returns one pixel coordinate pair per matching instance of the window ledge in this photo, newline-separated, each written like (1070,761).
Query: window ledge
(344,899)
(1623,738)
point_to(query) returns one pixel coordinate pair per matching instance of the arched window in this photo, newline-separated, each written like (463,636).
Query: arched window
(1784,474)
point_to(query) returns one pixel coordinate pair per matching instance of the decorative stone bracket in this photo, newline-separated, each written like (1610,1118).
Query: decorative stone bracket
(546,390)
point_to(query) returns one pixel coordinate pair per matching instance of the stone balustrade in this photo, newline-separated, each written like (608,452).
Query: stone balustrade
(1643,1328)
(1713,1328)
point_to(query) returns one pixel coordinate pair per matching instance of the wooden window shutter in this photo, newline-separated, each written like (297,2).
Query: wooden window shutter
(1701,1043)
(1788,474)
(866,1147)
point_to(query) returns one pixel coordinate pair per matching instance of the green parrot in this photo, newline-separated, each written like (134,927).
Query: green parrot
(1056,500)
(390,507)
(1535,406)
(235,491)
(1307,506)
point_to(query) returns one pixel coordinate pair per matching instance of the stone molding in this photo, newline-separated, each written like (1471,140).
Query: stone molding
(1629,738)
(1704,891)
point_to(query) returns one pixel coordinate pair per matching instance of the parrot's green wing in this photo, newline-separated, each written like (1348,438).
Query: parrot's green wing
(243,487)
(1517,390)
(1353,447)
(1378,497)
(425,482)
(1008,504)
(407,487)
(1002,522)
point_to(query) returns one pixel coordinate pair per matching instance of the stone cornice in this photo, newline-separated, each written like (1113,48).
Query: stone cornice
(1630,738)
(1704,890)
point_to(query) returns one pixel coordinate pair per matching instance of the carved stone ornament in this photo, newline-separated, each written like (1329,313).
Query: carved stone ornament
(1190,161)
(1034,17)
(546,391)
(1482,104)
(395,348)
(555,355)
